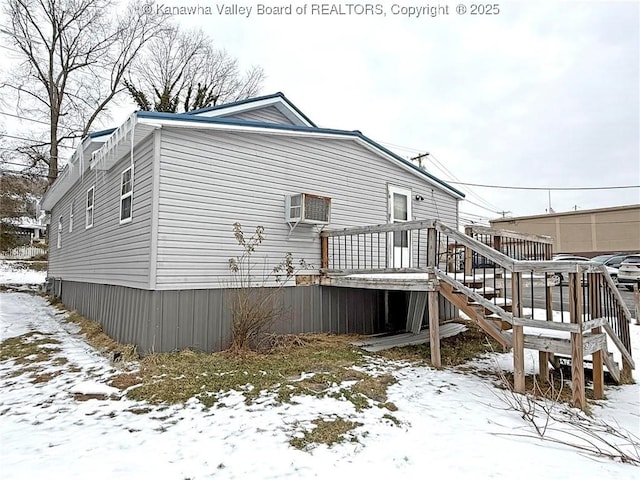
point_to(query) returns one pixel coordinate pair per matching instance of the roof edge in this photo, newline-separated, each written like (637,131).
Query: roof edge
(252,100)
(271,126)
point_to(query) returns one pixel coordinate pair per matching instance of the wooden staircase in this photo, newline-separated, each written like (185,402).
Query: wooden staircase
(447,263)
(597,314)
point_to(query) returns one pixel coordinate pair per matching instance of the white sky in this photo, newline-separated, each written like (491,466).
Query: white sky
(543,94)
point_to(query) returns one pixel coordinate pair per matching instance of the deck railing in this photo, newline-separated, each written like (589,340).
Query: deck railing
(505,283)
(527,288)
(388,247)
(524,286)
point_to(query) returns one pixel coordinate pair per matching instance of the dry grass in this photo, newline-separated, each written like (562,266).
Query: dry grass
(101,341)
(454,351)
(176,377)
(327,432)
(31,347)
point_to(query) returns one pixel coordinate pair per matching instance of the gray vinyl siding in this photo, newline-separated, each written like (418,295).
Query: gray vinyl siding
(109,252)
(265,114)
(209,180)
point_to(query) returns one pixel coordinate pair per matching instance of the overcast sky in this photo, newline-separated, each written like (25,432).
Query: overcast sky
(539,94)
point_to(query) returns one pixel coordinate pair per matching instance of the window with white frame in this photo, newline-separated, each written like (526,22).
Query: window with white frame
(88,219)
(59,241)
(126,195)
(71,218)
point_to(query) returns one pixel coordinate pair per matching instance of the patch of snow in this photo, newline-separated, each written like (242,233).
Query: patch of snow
(12,274)
(93,388)
(450,423)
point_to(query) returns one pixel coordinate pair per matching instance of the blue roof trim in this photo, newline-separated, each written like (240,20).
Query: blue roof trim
(251,100)
(101,133)
(247,123)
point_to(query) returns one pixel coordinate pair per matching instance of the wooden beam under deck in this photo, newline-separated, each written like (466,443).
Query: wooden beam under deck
(380,283)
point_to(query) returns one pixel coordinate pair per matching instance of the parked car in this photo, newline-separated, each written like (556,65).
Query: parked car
(629,272)
(563,276)
(612,261)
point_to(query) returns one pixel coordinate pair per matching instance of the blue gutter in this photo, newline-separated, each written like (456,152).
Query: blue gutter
(295,128)
(251,100)
(101,133)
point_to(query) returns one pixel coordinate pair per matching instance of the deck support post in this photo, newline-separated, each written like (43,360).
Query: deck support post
(432,300)
(324,252)
(518,334)
(597,357)
(577,347)
(434,329)
(543,360)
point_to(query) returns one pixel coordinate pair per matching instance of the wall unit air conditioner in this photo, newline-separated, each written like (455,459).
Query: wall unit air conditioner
(307,208)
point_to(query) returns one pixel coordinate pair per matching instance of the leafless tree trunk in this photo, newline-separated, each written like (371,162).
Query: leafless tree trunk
(74,55)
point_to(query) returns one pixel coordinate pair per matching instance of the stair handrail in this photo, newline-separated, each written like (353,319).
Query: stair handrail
(512,265)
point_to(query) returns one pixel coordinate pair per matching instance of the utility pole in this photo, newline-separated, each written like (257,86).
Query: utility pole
(504,213)
(420,158)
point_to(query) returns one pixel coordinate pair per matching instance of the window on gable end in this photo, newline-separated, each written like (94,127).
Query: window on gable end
(89,208)
(126,195)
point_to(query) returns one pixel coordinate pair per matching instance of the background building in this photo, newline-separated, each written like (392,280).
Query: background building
(583,232)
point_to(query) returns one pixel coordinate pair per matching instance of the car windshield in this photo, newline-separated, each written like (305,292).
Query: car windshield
(634,259)
(602,258)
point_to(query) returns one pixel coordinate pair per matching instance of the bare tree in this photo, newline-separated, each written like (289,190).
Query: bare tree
(74,55)
(183,71)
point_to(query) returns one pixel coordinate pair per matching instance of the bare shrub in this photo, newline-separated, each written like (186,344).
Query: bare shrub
(257,293)
(549,419)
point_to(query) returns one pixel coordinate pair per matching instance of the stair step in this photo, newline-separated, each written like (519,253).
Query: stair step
(504,303)
(487,292)
(498,322)
(612,366)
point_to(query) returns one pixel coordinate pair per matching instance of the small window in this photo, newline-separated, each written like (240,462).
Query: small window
(126,195)
(71,218)
(59,241)
(89,206)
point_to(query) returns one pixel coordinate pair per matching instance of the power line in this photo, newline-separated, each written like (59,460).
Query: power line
(480,206)
(471,192)
(31,140)
(509,187)
(613,222)
(437,163)
(24,118)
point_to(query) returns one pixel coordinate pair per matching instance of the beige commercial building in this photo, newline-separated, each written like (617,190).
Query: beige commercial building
(583,232)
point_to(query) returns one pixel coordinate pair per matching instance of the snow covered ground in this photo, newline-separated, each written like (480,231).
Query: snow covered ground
(451,424)
(15,273)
